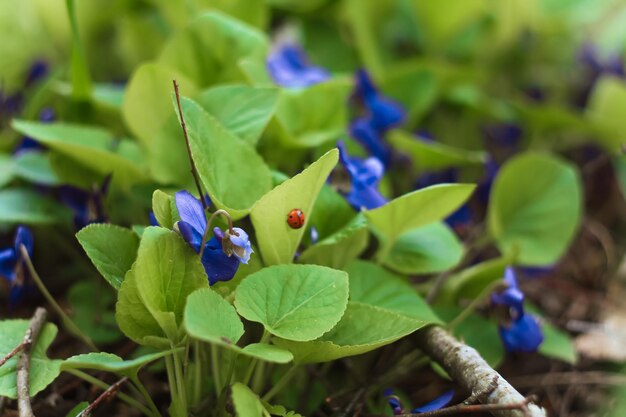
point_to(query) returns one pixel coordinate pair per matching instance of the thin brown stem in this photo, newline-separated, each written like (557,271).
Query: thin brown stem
(473,408)
(17,349)
(194,170)
(23,366)
(205,236)
(105,396)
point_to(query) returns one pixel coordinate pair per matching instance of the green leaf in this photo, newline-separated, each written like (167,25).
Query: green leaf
(35,167)
(535,208)
(470,282)
(42,369)
(164,209)
(243,110)
(153,294)
(297,302)
(246,402)
(152,83)
(224,328)
(427,249)
(298,126)
(7,169)
(605,109)
(331,212)
(557,344)
(93,147)
(267,353)
(277,240)
(362,328)
(234,175)
(111,248)
(340,248)
(74,412)
(93,311)
(25,206)
(108,362)
(209,49)
(417,208)
(374,285)
(433,156)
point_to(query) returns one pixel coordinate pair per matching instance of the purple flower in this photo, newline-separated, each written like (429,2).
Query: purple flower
(289,66)
(37,71)
(436,404)
(222,253)
(87,205)
(363,130)
(383,112)
(12,266)
(521,332)
(365,176)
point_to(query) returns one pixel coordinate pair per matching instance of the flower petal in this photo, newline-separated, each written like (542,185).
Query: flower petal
(435,404)
(218,265)
(190,234)
(8,261)
(190,210)
(523,335)
(289,66)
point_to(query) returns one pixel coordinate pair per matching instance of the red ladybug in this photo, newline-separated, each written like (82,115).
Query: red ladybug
(295,219)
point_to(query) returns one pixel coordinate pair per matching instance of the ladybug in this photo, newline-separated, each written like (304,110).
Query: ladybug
(295,219)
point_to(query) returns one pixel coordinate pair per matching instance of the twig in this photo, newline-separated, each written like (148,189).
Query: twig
(106,395)
(462,408)
(470,370)
(17,349)
(194,170)
(67,321)
(23,365)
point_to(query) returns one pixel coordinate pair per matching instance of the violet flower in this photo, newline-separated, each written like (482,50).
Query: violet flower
(521,332)
(289,66)
(222,253)
(87,205)
(436,404)
(12,265)
(365,174)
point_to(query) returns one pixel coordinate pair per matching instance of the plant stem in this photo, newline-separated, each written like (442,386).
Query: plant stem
(197,383)
(146,395)
(215,370)
(205,236)
(278,387)
(127,399)
(67,322)
(180,381)
(81,80)
(253,362)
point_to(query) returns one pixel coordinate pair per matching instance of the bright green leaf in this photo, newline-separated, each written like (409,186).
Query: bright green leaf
(35,167)
(427,249)
(296,302)
(93,311)
(277,240)
(164,209)
(234,175)
(535,208)
(605,111)
(224,327)
(25,206)
(111,248)
(42,369)
(108,362)
(246,402)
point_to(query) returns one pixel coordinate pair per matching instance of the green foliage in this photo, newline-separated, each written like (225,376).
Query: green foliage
(20,205)
(246,402)
(112,249)
(277,240)
(535,208)
(93,311)
(283,297)
(42,371)
(224,328)
(108,362)
(607,104)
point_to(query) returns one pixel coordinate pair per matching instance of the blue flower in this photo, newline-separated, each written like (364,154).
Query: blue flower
(289,66)
(28,144)
(521,332)
(383,112)
(12,266)
(222,253)
(436,404)
(365,176)
(363,130)
(87,205)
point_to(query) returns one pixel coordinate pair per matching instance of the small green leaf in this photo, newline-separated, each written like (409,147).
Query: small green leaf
(557,344)
(277,240)
(535,208)
(35,167)
(267,353)
(362,328)
(605,109)
(433,156)
(417,208)
(164,209)
(7,169)
(25,206)
(234,175)
(374,285)
(340,248)
(427,249)
(223,328)
(470,282)
(92,311)
(296,302)
(108,362)
(246,402)
(93,147)
(243,110)
(42,369)
(111,248)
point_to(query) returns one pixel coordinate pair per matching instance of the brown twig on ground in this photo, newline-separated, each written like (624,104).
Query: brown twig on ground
(23,365)
(106,395)
(462,408)
(17,349)
(473,374)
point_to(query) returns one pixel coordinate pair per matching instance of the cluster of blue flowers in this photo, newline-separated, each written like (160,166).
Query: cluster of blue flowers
(12,266)
(396,405)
